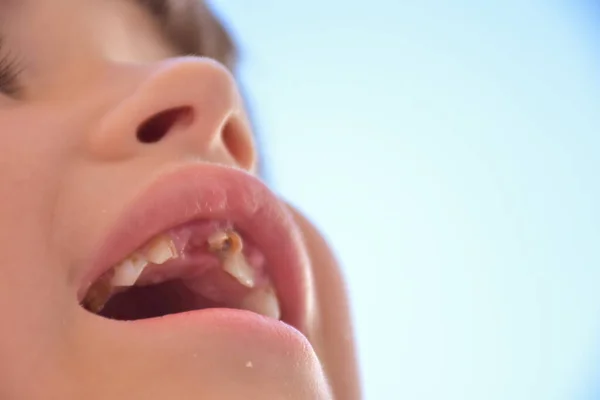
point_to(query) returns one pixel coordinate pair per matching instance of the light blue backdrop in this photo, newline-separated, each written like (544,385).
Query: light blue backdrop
(450,151)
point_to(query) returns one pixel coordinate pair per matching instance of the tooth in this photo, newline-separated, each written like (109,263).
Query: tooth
(228,244)
(97,296)
(225,242)
(236,266)
(160,250)
(127,272)
(262,301)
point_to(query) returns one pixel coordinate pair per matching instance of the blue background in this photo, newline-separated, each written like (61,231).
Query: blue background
(450,153)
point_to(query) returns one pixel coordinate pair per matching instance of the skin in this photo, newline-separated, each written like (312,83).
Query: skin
(92,72)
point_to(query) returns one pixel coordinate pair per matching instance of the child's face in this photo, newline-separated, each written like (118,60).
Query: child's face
(107,139)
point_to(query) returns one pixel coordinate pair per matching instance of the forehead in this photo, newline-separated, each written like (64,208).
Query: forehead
(190,26)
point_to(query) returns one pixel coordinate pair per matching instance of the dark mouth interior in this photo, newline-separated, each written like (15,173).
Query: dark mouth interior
(140,302)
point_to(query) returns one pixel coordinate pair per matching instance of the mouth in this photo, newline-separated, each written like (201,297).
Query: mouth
(200,237)
(195,266)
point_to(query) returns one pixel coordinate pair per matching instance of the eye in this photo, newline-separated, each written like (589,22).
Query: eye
(9,76)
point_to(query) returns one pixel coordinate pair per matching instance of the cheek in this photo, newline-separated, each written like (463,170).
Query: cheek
(332,336)
(29,164)
(30,168)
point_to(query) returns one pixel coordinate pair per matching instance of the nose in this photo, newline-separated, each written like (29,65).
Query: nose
(185,105)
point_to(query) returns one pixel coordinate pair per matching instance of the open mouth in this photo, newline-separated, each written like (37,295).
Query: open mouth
(197,265)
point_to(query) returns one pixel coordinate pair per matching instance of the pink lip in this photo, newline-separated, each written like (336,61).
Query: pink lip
(206,191)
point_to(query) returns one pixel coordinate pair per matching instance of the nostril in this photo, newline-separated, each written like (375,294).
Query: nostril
(157,126)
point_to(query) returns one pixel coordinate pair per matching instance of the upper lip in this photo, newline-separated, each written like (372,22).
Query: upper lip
(207,191)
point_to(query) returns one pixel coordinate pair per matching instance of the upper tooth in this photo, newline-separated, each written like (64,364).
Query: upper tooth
(228,244)
(97,296)
(127,272)
(262,301)
(236,266)
(158,251)
(225,242)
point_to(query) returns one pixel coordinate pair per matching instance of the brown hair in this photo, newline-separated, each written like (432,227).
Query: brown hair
(193,28)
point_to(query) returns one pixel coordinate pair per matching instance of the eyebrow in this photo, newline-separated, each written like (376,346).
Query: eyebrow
(193,29)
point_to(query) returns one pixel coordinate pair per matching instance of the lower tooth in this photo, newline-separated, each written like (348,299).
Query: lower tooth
(262,301)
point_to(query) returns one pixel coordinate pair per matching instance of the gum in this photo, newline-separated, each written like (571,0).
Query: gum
(195,257)
(196,264)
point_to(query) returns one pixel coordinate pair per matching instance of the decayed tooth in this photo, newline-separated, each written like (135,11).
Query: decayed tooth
(229,246)
(160,250)
(97,296)
(262,301)
(225,242)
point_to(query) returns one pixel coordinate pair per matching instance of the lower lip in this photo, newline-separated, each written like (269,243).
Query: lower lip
(193,333)
(220,319)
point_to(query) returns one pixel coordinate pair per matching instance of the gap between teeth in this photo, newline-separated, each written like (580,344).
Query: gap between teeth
(228,245)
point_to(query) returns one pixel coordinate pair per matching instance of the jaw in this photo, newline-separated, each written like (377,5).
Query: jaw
(236,355)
